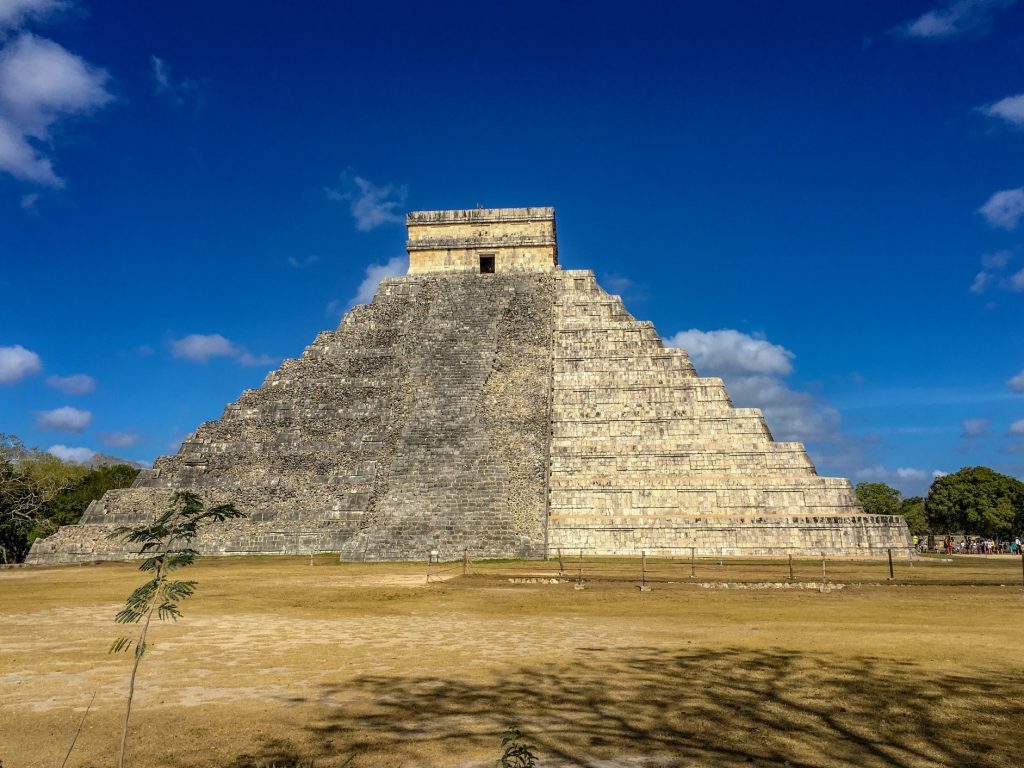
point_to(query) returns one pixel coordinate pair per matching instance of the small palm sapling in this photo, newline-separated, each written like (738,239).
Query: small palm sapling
(166,545)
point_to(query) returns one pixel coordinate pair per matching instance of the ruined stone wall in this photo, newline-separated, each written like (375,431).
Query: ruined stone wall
(375,442)
(646,455)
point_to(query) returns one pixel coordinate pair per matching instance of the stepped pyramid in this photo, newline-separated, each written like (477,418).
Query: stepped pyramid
(491,401)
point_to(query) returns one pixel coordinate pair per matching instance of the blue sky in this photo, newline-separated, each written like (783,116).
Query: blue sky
(823,202)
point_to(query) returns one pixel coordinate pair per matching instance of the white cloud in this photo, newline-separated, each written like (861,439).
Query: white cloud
(996,259)
(732,352)
(1010,109)
(119,439)
(78,384)
(395,266)
(1016,428)
(199,348)
(371,205)
(752,368)
(28,202)
(41,82)
(1004,209)
(66,419)
(17,362)
(973,428)
(15,13)
(1016,384)
(67,453)
(937,473)
(910,481)
(883,474)
(982,281)
(248,358)
(908,473)
(297,263)
(954,18)
(1015,282)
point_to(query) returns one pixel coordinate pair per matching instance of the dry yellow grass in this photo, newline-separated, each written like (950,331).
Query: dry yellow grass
(277,661)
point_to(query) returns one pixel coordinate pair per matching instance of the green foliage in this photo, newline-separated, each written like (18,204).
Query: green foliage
(976,500)
(912,510)
(878,498)
(39,493)
(517,754)
(166,544)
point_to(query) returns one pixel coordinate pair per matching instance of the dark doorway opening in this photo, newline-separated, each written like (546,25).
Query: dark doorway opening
(487,265)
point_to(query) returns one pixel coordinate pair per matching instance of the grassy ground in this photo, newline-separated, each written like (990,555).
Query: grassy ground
(276,661)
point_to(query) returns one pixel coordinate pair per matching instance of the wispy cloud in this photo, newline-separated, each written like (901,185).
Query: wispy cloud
(753,369)
(16,13)
(74,455)
(991,274)
(175,92)
(200,348)
(1016,384)
(119,439)
(974,428)
(16,363)
(78,384)
(1016,428)
(28,202)
(66,419)
(371,204)
(395,266)
(301,263)
(40,83)
(1004,209)
(1010,109)
(909,480)
(953,19)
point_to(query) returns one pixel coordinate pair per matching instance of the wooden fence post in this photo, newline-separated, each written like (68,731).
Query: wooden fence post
(891,574)
(693,562)
(579,573)
(790,566)
(465,561)
(643,572)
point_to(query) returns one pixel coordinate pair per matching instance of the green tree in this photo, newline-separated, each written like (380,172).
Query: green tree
(912,510)
(69,504)
(976,501)
(29,481)
(39,493)
(166,544)
(879,498)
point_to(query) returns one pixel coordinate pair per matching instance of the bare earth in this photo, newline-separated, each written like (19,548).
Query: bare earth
(276,661)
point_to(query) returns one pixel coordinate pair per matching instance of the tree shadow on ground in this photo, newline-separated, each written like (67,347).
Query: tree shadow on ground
(636,707)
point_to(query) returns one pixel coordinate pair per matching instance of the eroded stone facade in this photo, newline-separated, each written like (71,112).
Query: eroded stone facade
(511,414)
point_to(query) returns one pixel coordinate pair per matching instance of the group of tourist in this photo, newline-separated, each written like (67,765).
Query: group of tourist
(971,545)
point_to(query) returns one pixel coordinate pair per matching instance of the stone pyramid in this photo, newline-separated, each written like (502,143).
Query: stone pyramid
(491,401)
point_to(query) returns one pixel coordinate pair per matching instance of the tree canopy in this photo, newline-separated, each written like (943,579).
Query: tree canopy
(39,493)
(879,498)
(976,500)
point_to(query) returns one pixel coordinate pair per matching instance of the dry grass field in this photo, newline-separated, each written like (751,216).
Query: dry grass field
(276,661)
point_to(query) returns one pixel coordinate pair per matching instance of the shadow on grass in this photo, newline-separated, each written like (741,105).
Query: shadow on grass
(733,707)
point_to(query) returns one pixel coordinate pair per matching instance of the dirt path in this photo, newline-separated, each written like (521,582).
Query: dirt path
(276,661)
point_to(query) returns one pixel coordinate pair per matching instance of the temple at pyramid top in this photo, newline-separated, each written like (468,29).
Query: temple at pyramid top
(483,240)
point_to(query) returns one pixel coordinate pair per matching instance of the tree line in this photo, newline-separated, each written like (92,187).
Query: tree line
(39,493)
(974,501)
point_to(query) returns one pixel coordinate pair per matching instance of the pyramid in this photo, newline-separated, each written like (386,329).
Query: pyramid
(493,402)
